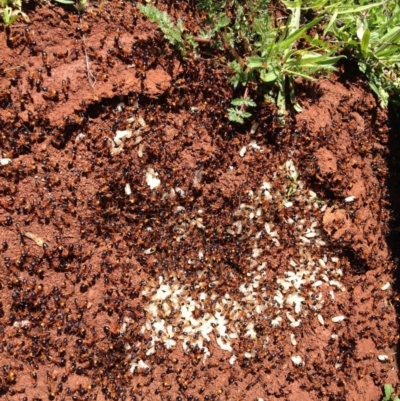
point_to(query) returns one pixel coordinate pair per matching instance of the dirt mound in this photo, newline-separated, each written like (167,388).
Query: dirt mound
(151,250)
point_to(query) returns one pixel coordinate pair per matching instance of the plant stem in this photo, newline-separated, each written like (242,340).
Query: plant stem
(246,92)
(90,76)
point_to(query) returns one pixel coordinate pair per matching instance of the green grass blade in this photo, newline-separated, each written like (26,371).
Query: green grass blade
(319,60)
(365,42)
(379,91)
(298,74)
(292,4)
(288,42)
(388,390)
(295,20)
(331,22)
(392,37)
(315,5)
(360,8)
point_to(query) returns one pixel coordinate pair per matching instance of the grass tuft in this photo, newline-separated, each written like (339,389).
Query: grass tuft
(269,52)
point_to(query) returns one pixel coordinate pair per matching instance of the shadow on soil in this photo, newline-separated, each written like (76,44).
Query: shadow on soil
(394,198)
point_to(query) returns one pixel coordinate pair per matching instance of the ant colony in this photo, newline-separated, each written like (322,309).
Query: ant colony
(259,297)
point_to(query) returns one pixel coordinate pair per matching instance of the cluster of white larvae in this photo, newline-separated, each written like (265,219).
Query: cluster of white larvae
(191,316)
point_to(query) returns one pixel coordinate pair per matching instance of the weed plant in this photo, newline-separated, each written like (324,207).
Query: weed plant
(174,33)
(270,52)
(10,10)
(369,34)
(389,394)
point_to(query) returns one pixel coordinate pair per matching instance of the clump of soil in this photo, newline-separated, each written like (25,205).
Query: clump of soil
(152,250)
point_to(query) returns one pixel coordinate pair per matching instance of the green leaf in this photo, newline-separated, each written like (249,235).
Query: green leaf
(8,16)
(292,4)
(255,62)
(286,43)
(268,76)
(276,52)
(360,8)
(240,76)
(331,22)
(236,67)
(294,22)
(365,42)
(316,4)
(362,66)
(360,30)
(379,91)
(211,6)
(233,116)
(268,98)
(388,391)
(316,59)
(238,116)
(222,21)
(163,20)
(298,74)
(392,37)
(245,114)
(243,101)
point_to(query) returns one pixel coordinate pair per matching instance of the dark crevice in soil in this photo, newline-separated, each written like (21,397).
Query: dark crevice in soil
(393,182)
(357,265)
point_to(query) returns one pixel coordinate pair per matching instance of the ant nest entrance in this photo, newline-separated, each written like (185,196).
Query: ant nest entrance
(206,304)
